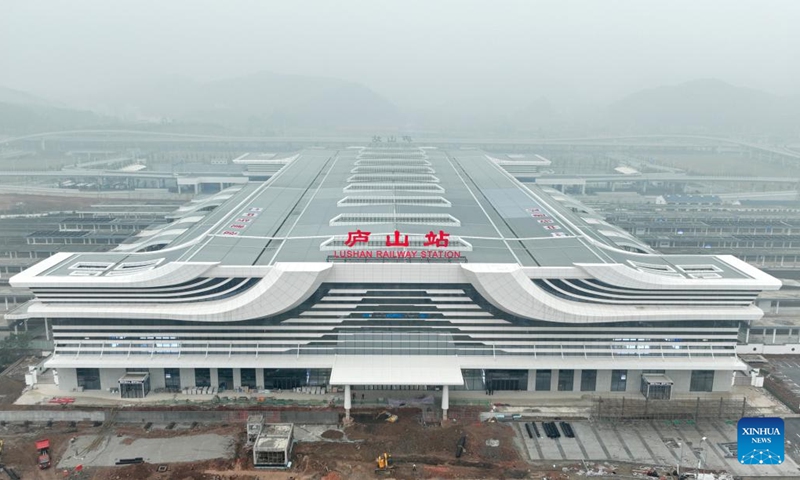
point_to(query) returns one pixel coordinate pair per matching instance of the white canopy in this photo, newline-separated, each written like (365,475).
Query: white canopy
(396,370)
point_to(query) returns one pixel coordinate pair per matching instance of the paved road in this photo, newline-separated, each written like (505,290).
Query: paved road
(658,443)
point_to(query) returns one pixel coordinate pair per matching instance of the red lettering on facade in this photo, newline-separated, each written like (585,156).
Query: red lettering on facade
(396,242)
(441,240)
(357,237)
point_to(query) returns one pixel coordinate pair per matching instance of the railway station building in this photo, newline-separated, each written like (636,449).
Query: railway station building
(393,267)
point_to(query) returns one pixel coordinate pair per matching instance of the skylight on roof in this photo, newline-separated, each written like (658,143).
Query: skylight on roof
(437,219)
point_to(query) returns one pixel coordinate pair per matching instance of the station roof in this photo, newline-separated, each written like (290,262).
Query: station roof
(464,193)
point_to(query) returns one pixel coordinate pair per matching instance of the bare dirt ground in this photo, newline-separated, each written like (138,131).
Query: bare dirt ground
(346,453)
(350,456)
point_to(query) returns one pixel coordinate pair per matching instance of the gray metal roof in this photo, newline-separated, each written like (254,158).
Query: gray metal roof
(288,217)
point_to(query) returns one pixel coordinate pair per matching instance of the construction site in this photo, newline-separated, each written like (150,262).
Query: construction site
(296,436)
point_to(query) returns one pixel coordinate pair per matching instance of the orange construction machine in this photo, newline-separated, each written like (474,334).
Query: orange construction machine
(43,447)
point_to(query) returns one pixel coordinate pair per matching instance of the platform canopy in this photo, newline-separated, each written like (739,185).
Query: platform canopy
(396,370)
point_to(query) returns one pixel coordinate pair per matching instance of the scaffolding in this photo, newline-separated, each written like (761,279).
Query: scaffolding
(273,446)
(625,408)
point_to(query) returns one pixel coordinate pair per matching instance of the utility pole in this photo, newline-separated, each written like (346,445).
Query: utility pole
(701,461)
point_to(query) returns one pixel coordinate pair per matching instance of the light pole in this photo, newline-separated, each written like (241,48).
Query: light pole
(680,460)
(701,461)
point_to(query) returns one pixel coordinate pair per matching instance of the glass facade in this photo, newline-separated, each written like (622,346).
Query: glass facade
(566,380)
(507,379)
(619,380)
(172,379)
(202,377)
(285,378)
(702,381)
(249,378)
(588,380)
(88,378)
(474,379)
(404,315)
(225,378)
(543,379)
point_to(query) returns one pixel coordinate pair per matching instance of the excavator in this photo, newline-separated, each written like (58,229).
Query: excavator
(384,463)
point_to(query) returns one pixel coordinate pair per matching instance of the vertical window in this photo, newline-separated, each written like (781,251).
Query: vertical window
(88,378)
(565,380)
(619,380)
(248,377)
(702,381)
(202,377)
(543,380)
(588,380)
(225,378)
(172,379)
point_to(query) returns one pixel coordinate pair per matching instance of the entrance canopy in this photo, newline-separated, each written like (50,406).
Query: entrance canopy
(134,378)
(396,370)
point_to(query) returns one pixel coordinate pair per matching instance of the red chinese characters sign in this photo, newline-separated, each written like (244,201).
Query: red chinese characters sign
(398,240)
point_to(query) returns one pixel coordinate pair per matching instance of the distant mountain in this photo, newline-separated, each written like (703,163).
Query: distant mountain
(16,97)
(263,103)
(703,106)
(16,118)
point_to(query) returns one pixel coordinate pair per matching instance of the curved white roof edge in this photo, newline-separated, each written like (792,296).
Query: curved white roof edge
(286,285)
(624,276)
(169,274)
(513,292)
(282,288)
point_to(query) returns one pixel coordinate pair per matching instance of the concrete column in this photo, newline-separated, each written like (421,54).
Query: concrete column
(67,379)
(187,377)
(722,381)
(576,381)
(554,380)
(445,401)
(348,402)
(634,382)
(603,381)
(237,378)
(531,380)
(215,377)
(46,329)
(109,377)
(157,378)
(260,378)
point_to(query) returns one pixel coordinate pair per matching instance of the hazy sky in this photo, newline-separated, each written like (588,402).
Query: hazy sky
(413,52)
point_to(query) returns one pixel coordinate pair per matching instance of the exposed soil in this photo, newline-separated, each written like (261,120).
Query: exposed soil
(418,451)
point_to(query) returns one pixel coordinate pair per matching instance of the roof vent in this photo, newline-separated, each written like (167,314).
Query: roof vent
(699,268)
(91,266)
(657,269)
(393,168)
(392,177)
(135,267)
(377,162)
(394,187)
(393,200)
(395,218)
